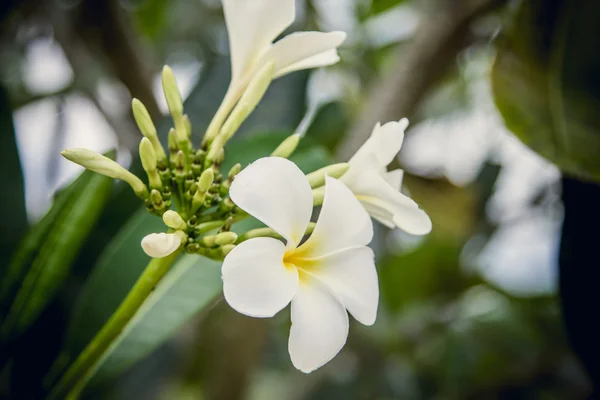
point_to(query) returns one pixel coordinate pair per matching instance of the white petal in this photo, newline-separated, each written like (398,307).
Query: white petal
(255,280)
(324,59)
(319,327)
(252,26)
(352,276)
(379,198)
(159,245)
(299,46)
(385,143)
(394,178)
(275,191)
(343,223)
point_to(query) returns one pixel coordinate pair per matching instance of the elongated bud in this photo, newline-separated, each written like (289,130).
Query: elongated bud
(208,241)
(234,171)
(206,180)
(249,100)
(287,147)
(317,178)
(188,125)
(180,160)
(227,249)
(209,226)
(225,238)
(171,91)
(173,220)
(148,158)
(105,166)
(173,141)
(159,245)
(214,151)
(144,122)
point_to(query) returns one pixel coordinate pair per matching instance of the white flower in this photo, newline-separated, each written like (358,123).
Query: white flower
(253,25)
(159,245)
(333,271)
(379,190)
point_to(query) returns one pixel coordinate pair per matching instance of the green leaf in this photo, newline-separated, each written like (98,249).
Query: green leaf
(545,81)
(52,264)
(12,202)
(115,273)
(192,284)
(28,248)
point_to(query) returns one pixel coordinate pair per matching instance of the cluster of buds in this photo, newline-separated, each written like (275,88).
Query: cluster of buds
(186,178)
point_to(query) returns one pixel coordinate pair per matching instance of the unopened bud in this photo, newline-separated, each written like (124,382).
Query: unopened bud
(249,100)
(148,158)
(188,125)
(173,220)
(227,249)
(159,245)
(208,241)
(105,166)
(318,196)
(317,178)
(225,238)
(171,91)
(206,227)
(144,122)
(234,171)
(180,160)
(206,180)
(287,147)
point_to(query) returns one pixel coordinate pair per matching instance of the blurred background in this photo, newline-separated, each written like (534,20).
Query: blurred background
(471,311)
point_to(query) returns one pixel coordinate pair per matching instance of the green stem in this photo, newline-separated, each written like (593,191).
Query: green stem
(156,269)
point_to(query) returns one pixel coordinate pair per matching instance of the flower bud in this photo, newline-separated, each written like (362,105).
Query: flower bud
(208,241)
(144,122)
(206,227)
(171,91)
(173,220)
(159,245)
(234,171)
(317,178)
(249,100)
(227,249)
(105,166)
(225,238)
(148,158)
(287,147)
(206,180)
(188,125)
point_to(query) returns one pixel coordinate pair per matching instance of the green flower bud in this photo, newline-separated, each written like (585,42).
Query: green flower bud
(188,125)
(249,100)
(206,180)
(105,166)
(234,171)
(148,158)
(209,226)
(173,220)
(287,147)
(317,178)
(227,249)
(208,241)
(225,238)
(144,122)
(171,91)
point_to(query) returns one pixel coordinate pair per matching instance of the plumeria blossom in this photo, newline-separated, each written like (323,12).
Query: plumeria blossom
(330,274)
(379,190)
(253,25)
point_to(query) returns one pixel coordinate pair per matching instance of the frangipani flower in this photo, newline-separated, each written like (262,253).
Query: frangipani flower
(379,190)
(253,25)
(333,271)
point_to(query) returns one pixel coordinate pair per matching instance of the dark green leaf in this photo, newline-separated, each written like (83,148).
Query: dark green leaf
(546,82)
(12,201)
(52,264)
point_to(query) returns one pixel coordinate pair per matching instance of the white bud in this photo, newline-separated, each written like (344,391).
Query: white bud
(159,245)
(173,220)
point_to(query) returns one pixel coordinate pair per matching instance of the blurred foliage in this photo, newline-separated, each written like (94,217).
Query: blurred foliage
(546,82)
(444,330)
